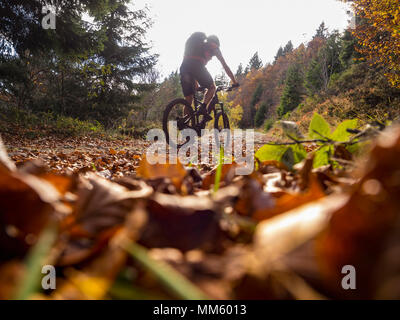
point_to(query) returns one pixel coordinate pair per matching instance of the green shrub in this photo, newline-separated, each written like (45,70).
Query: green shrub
(73,127)
(269,123)
(260,115)
(39,123)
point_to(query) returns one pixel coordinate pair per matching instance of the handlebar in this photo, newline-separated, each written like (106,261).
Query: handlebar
(220,88)
(236,85)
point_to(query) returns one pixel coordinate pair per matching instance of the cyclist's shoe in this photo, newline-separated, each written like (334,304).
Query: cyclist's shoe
(203,122)
(206,118)
(202,109)
(181,123)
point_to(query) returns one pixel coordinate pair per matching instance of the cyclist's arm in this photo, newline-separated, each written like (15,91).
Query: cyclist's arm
(228,71)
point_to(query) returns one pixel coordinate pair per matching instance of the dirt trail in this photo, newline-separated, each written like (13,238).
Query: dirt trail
(109,158)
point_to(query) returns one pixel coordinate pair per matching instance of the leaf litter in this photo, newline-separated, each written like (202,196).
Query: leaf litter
(125,229)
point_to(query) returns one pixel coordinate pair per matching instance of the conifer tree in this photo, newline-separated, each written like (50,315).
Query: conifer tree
(293,91)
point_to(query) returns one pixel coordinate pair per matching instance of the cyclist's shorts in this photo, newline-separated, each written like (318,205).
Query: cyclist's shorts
(192,70)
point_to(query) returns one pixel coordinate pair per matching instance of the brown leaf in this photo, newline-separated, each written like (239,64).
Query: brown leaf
(279,235)
(305,171)
(185,223)
(290,201)
(10,274)
(272,166)
(252,198)
(342,153)
(28,203)
(215,274)
(175,172)
(101,209)
(227,175)
(95,279)
(357,232)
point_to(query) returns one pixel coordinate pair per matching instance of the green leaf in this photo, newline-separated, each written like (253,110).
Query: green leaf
(299,153)
(319,124)
(322,156)
(341,133)
(359,147)
(353,148)
(271,152)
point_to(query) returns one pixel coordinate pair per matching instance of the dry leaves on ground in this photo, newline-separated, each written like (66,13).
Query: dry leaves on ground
(275,234)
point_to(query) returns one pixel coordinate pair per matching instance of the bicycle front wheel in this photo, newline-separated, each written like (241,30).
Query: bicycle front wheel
(178,116)
(221,122)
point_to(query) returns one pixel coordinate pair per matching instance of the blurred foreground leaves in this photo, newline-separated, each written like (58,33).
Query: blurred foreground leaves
(278,233)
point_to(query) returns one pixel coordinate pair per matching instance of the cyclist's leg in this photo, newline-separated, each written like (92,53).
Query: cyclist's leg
(205,80)
(187,82)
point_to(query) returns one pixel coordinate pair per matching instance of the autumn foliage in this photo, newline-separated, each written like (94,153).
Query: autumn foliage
(378,33)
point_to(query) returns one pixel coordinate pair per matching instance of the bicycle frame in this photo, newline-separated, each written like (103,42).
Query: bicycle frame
(190,118)
(212,105)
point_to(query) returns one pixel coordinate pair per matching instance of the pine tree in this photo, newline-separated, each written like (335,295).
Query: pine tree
(313,79)
(21,27)
(254,100)
(260,115)
(279,54)
(288,48)
(124,59)
(327,63)
(322,31)
(90,70)
(239,71)
(293,91)
(348,53)
(255,62)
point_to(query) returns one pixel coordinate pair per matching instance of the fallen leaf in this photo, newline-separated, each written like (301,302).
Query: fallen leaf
(290,201)
(175,172)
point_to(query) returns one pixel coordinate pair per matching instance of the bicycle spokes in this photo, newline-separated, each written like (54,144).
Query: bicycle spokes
(178,117)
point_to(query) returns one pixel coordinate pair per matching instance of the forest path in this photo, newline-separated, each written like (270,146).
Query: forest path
(110,158)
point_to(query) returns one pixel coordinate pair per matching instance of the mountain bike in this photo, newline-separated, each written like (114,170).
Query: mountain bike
(180,115)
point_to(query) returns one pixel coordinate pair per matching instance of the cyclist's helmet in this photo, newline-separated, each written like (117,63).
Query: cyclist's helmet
(213,39)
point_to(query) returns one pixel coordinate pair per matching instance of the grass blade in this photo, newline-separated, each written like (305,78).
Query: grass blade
(34,263)
(175,282)
(219,170)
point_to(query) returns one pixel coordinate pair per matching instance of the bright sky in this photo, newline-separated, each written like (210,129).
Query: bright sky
(243,27)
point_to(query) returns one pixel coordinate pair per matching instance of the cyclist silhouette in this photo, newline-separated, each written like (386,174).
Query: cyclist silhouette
(199,50)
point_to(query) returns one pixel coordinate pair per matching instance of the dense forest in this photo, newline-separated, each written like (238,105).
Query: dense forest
(93,66)
(96,66)
(331,74)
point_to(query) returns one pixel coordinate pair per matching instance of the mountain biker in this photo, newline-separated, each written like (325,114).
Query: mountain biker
(199,50)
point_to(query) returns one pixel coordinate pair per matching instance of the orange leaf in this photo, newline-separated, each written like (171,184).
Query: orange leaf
(112,151)
(290,201)
(175,172)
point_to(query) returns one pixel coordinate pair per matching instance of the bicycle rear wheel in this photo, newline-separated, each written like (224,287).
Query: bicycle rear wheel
(178,116)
